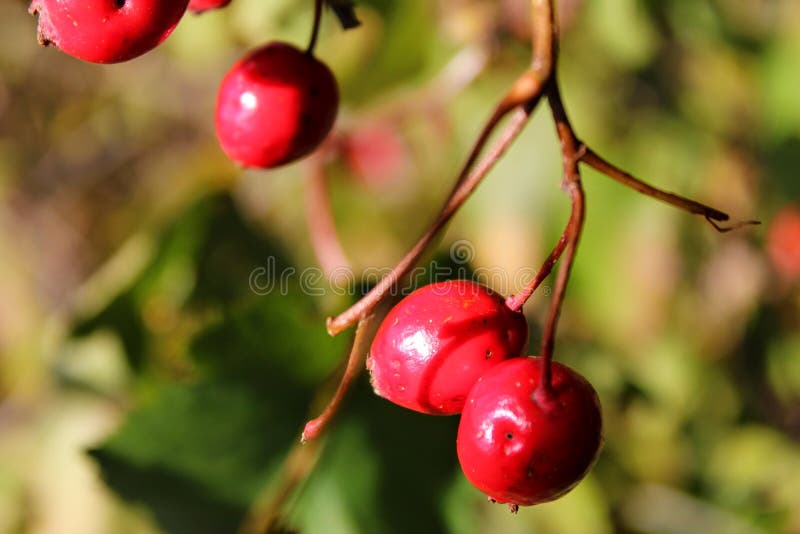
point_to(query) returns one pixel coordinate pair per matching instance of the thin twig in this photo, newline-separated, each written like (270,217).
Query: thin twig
(733,226)
(523,96)
(571,153)
(265,517)
(453,203)
(572,235)
(267,513)
(524,89)
(355,364)
(516,302)
(312,42)
(591,158)
(544,38)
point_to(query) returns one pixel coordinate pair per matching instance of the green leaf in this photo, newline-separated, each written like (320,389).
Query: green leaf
(196,455)
(386,468)
(203,259)
(273,335)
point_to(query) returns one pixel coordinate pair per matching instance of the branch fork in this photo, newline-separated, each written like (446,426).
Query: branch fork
(519,102)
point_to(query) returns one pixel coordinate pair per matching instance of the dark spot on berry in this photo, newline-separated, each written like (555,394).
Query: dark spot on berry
(119,3)
(485,320)
(488,354)
(509,435)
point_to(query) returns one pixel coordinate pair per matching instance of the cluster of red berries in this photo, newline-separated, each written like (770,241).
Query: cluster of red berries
(274,106)
(525,437)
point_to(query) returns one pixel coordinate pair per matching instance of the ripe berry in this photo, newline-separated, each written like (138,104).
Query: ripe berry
(783,242)
(434,344)
(522,447)
(275,105)
(106,31)
(198,6)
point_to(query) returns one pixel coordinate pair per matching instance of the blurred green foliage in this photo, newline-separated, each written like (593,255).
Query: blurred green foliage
(149,383)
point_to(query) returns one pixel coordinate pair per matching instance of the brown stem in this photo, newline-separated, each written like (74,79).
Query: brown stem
(524,94)
(460,194)
(525,89)
(320,220)
(571,150)
(591,158)
(355,363)
(312,42)
(544,44)
(516,302)
(733,226)
(572,235)
(266,514)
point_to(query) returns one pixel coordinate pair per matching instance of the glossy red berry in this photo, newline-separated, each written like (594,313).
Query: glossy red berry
(106,31)
(521,447)
(198,6)
(275,105)
(434,344)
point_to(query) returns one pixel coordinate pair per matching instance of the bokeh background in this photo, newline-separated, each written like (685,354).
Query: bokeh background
(145,387)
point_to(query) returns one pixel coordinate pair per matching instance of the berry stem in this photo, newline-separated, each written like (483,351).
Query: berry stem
(355,364)
(268,509)
(319,218)
(523,96)
(461,192)
(312,42)
(516,302)
(544,38)
(527,88)
(591,158)
(571,150)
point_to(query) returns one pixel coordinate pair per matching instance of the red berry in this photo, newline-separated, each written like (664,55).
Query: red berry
(521,447)
(433,346)
(198,6)
(275,105)
(106,31)
(783,242)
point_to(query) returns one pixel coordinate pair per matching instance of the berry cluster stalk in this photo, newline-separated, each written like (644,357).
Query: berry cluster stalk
(521,98)
(519,102)
(355,364)
(461,193)
(570,150)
